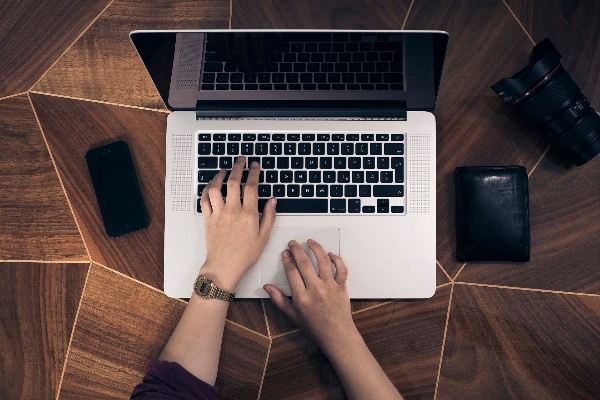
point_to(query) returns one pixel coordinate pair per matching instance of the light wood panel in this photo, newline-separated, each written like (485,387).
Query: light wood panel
(35,220)
(37,310)
(103,64)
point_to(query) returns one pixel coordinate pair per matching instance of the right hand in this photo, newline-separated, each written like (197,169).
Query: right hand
(320,304)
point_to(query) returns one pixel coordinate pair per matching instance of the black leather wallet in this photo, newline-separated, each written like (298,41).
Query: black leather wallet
(492,214)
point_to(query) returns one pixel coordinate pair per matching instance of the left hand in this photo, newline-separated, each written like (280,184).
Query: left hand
(235,236)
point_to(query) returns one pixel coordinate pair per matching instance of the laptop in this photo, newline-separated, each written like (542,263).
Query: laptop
(341,124)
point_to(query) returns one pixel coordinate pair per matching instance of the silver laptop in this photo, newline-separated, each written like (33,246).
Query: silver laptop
(341,124)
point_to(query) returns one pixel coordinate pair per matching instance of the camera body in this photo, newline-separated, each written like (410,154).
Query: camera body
(547,97)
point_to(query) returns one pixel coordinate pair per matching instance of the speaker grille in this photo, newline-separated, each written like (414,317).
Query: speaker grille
(189,61)
(182,166)
(419,170)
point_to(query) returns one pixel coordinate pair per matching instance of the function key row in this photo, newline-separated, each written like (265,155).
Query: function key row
(302,148)
(296,137)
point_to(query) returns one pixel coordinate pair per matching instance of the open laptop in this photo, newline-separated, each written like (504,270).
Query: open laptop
(341,124)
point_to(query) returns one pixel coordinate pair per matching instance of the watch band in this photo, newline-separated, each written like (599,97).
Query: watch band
(204,288)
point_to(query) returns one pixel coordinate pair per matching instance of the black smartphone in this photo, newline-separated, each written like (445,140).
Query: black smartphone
(117,189)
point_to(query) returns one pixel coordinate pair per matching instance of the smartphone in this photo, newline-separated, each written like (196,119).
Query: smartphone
(117,189)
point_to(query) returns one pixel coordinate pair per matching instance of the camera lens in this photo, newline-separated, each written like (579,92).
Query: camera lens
(546,96)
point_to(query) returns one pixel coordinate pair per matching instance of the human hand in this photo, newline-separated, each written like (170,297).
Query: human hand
(320,304)
(235,236)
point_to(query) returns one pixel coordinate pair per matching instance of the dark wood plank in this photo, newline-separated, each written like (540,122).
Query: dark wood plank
(338,14)
(249,313)
(72,127)
(404,336)
(36,221)
(521,345)
(565,232)
(573,28)
(103,64)
(123,324)
(33,35)
(474,126)
(37,311)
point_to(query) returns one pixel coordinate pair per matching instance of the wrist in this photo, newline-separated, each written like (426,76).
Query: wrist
(219,278)
(338,344)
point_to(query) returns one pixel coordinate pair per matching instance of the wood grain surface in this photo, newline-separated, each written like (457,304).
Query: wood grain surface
(123,324)
(34,34)
(335,14)
(35,220)
(37,310)
(507,344)
(103,64)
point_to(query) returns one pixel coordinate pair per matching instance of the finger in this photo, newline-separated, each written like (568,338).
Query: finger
(251,189)
(325,270)
(341,271)
(292,273)
(303,262)
(214,191)
(205,202)
(267,220)
(234,181)
(281,301)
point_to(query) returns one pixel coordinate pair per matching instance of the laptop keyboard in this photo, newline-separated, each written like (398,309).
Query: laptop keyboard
(313,173)
(330,61)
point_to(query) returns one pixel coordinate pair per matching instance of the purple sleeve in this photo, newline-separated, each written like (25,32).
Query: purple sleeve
(166,380)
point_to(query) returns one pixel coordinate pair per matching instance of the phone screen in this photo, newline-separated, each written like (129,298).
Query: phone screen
(117,189)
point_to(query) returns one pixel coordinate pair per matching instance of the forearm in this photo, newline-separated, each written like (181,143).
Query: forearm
(360,374)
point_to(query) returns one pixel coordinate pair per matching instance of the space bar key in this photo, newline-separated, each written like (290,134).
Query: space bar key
(288,205)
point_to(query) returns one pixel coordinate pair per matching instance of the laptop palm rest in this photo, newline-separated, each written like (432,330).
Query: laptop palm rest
(270,263)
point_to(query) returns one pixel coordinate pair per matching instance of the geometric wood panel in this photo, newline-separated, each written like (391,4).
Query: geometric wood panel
(35,220)
(37,310)
(521,345)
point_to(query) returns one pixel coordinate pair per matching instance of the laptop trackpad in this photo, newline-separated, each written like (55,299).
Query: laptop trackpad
(271,265)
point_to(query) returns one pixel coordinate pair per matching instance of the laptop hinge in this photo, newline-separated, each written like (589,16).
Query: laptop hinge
(352,109)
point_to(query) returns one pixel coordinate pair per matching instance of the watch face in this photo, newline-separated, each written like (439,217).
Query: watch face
(204,287)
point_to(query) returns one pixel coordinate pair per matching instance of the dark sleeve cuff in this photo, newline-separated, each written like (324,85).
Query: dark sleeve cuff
(168,380)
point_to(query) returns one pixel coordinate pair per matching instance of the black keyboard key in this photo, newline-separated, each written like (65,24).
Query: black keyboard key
(368,162)
(313,67)
(289,149)
(236,78)
(340,67)
(385,56)
(309,86)
(336,190)
(278,78)
(225,162)
(368,209)
(362,149)
(222,78)
(207,86)
(295,86)
(382,86)
(295,137)
(297,162)
(322,191)
(375,149)
(338,86)
(247,149)
(218,148)
(328,176)
(383,205)
(306,78)
(203,148)
(397,137)
(268,162)
(383,162)
(372,176)
(367,137)
(318,149)
(272,176)
(388,190)
(333,77)
(352,137)
(279,137)
(348,77)
(206,175)
(204,137)
(207,162)
(275,148)
(339,162)
(213,66)
(338,137)
(298,205)
(324,47)
(311,163)
(249,137)
(348,149)
(237,86)
(279,191)
(293,190)
(233,148)
(289,57)
(300,67)
(386,176)
(221,137)
(350,191)
(286,176)
(314,176)
(325,163)
(208,78)
(333,148)
(396,149)
(291,77)
(234,137)
(261,148)
(358,177)
(253,159)
(251,86)
(367,86)
(320,77)
(264,190)
(308,190)
(304,148)
(265,86)
(283,162)
(300,176)
(323,137)
(392,77)
(353,205)
(354,162)
(337,205)
(343,176)
(280,86)
(397,209)
(364,190)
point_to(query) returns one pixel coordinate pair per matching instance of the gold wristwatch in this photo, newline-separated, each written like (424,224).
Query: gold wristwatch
(204,288)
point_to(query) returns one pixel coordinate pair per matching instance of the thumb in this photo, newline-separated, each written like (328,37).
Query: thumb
(281,301)
(268,219)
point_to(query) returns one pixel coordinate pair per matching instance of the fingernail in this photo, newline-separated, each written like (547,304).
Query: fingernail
(292,243)
(310,241)
(285,254)
(255,164)
(267,289)
(273,202)
(240,159)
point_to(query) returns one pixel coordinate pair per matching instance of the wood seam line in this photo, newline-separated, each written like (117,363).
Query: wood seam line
(262,380)
(538,162)
(230,16)
(444,285)
(247,329)
(262,303)
(59,178)
(285,333)
(371,307)
(12,95)
(443,270)
(100,102)
(48,261)
(62,374)
(407,13)
(519,22)
(437,381)
(71,45)
(459,271)
(528,289)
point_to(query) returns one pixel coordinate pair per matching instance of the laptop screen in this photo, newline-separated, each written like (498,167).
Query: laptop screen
(194,66)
